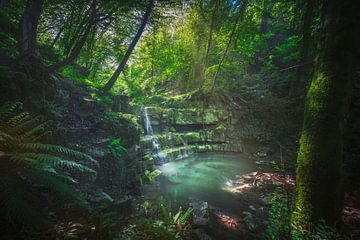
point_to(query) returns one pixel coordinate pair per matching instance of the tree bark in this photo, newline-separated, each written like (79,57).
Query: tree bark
(28,26)
(77,49)
(57,37)
(318,192)
(299,85)
(3,3)
(130,49)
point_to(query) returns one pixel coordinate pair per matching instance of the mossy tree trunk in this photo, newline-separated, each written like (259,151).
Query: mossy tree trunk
(319,162)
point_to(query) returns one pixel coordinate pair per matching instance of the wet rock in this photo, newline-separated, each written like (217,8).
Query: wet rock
(200,214)
(200,234)
(267,199)
(124,205)
(101,197)
(249,221)
(261,154)
(261,162)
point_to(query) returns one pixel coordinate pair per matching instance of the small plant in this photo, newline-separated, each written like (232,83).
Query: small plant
(280,226)
(115,147)
(318,231)
(146,229)
(279,219)
(151,175)
(161,215)
(146,206)
(118,151)
(180,219)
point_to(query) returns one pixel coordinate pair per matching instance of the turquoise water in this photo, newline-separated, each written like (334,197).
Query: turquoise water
(205,177)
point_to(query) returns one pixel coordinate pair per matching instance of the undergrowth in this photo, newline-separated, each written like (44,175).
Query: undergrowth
(32,172)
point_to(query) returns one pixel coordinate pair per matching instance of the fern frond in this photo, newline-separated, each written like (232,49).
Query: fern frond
(167,216)
(8,109)
(184,218)
(41,147)
(18,119)
(7,141)
(54,183)
(31,134)
(24,126)
(22,160)
(55,161)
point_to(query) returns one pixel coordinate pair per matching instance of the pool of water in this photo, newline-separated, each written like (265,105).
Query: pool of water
(206,177)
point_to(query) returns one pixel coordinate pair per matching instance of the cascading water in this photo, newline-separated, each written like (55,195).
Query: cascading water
(159,158)
(184,152)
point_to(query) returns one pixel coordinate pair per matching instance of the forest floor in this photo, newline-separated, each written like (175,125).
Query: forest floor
(351,215)
(256,192)
(259,192)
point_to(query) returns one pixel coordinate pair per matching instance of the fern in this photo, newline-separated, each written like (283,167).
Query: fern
(41,147)
(28,166)
(185,217)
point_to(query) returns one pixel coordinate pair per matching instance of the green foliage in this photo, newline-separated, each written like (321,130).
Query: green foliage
(179,219)
(160,222)
(280,227)
(8,43)
(73,73)
(28,167)
(279,218)
(146,229)
(150,175)
(115,147)
(106,219)
(118,151)
(319,231)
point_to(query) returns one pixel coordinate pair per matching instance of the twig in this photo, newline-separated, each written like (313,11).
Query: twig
(297,65)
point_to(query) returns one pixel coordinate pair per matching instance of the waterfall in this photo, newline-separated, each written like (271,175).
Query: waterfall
(184,152)
(159,158)
(149,130)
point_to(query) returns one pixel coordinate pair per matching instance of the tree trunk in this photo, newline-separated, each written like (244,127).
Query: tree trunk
(131,47)
(76,31)
(299,85)
(57,37)
(238,17)
(3,3)
(319,162)
(76,51)
(208,47)
(28,26)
